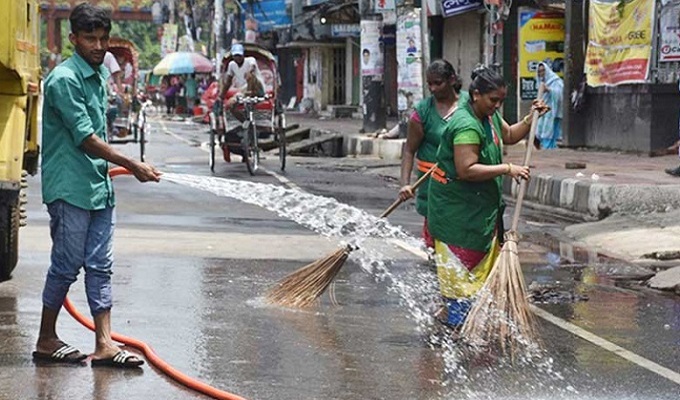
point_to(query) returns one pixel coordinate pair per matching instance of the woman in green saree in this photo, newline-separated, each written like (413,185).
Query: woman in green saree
(465,202)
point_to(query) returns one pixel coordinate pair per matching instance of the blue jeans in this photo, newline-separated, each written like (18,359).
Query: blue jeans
(80,238)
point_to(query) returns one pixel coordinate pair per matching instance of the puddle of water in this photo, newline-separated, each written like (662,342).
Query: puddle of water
(466,370)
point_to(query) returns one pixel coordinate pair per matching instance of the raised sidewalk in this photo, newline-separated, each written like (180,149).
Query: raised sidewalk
(611,182)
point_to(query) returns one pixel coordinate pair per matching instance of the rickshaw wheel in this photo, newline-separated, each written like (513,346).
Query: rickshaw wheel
(250,152)
(142,142)
(281,139)
(212,147)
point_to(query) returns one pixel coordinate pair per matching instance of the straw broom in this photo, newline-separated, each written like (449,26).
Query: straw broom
(501,312)
(304,286)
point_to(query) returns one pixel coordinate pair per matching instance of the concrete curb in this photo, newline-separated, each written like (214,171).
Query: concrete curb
(355,145)
(594,199)
(582,196)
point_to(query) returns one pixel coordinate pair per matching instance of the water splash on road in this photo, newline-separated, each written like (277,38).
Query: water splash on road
(418,291)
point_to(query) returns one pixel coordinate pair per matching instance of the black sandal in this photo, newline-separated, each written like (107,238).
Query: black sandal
(122,359)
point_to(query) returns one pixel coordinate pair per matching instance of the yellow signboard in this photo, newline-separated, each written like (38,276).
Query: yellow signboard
(620,42)
(541,39)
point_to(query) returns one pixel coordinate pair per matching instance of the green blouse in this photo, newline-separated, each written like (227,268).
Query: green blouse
(465,213)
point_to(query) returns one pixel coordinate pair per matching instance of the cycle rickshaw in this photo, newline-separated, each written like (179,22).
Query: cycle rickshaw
(130,124)
(265,121)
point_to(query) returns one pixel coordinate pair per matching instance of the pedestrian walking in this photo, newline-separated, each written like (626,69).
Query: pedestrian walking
(425,128)
(170,95)
(77,190)
(190,91)
(549,129)
(465,202)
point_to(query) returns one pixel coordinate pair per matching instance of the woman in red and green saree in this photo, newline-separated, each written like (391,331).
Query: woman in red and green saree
(465,203)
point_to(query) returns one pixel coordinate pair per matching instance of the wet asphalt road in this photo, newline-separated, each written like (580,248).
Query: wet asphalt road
(191,270)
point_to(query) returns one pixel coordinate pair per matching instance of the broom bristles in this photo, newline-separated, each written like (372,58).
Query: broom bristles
(501,312)
(303,287)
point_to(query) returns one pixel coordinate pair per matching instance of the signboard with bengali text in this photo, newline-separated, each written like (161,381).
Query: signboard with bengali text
(541,39)
(456,7)
(619,42)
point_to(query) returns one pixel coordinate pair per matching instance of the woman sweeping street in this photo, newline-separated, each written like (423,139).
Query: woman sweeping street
(465,203)
(425,128)
(549,129)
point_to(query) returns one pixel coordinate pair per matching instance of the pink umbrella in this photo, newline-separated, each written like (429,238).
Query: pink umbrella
(183,62)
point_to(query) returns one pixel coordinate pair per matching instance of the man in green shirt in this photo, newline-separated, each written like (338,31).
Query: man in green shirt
(78,192)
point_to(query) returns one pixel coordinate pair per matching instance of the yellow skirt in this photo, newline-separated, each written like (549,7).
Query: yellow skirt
(455,280)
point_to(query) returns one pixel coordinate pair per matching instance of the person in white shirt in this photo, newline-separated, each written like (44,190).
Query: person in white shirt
(244,75)
(115,81)
(115,91)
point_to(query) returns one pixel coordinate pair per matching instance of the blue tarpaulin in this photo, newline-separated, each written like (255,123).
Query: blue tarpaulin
(269,14)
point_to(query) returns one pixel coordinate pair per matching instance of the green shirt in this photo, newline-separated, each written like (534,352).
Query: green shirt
(74,107)
(464,213)
(433,128)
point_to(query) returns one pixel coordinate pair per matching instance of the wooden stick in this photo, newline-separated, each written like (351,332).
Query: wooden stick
(527,157)
(414,187)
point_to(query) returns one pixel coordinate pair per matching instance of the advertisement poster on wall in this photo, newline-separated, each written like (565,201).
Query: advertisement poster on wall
(619,42)
(669,49)
(541,39)
(409,61)
(387,8)
(372,58)
(169,39)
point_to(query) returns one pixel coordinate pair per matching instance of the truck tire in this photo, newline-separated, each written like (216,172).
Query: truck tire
(9,238)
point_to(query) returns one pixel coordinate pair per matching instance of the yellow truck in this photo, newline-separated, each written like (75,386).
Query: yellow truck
(19,98)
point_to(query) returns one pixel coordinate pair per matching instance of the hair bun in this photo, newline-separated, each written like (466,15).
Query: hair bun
(479,70)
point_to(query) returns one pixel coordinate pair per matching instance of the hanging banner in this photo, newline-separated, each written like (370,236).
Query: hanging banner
(345,30)
(541,39)
(372,58)
(385,5)
(619,42)
(409,61)
(387,8)
(169,39)
(669,49)
(456,7)
(269,14)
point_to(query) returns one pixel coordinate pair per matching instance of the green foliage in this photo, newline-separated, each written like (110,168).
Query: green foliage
(143,36)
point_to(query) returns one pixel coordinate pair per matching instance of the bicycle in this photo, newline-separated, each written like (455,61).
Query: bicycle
(245,137)
(132,128)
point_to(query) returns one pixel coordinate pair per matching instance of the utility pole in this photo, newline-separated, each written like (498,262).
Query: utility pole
(425,46)
(173,9)
(217,28)
(576,35)
(372,75)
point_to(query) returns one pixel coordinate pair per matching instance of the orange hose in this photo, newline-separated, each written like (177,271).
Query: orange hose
(148,352)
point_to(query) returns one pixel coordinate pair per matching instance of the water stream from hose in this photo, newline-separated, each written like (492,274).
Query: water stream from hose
(417,289)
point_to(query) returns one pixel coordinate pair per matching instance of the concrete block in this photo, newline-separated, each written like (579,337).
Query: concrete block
(581,197)
(555,188)
(666,280)
(567,190)
(349,145)
(390,149)
(365,146)
(599,204)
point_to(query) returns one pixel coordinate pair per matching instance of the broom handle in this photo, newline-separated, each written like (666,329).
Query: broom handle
(527,157)
(398,201)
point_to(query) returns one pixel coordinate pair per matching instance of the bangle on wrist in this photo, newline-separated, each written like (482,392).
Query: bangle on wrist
(527,120)
(509,169)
